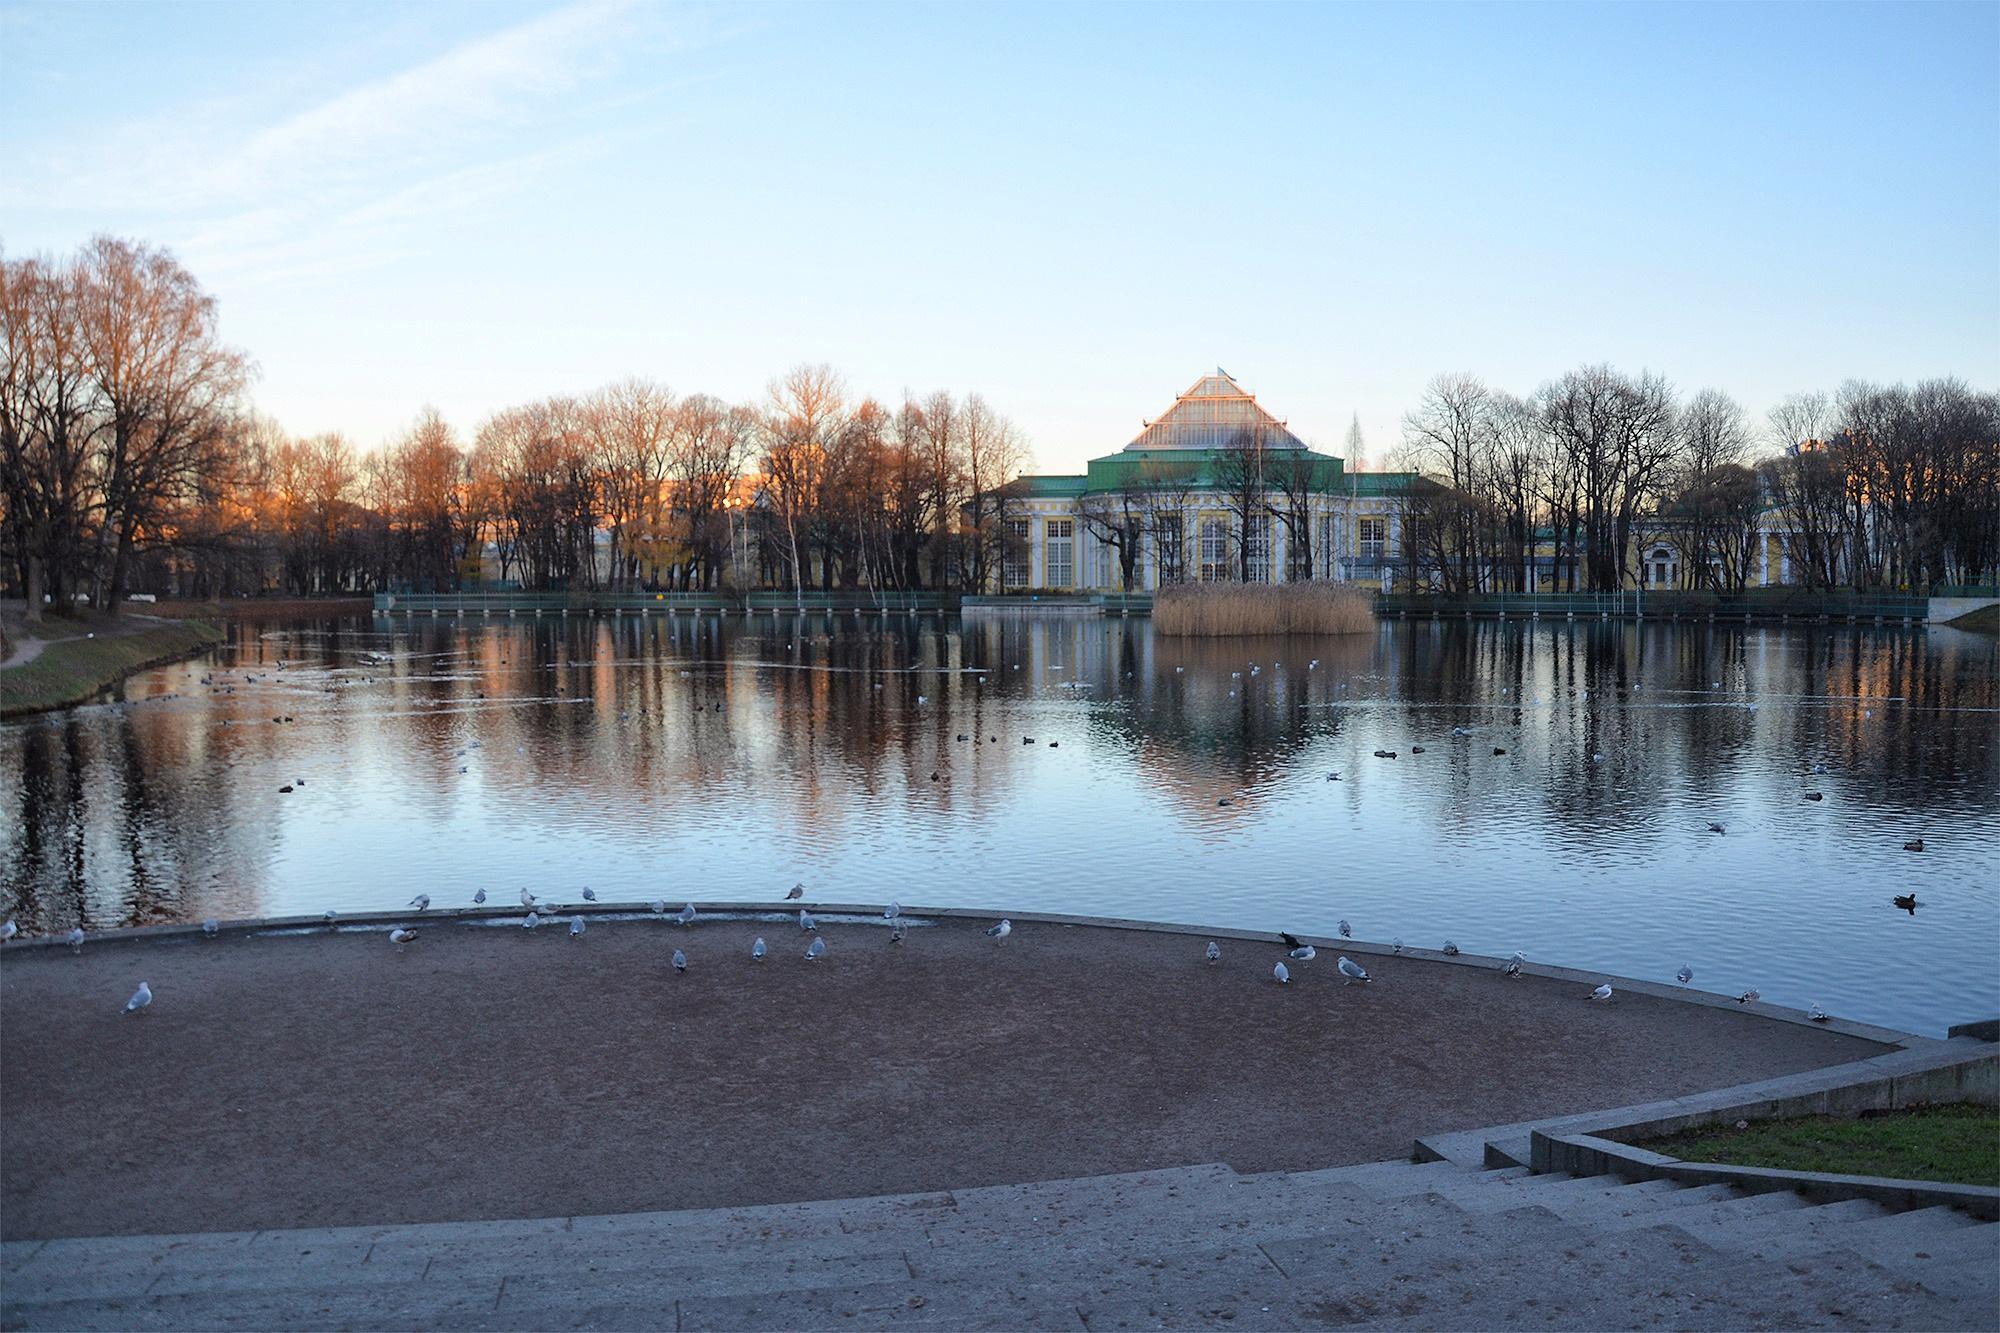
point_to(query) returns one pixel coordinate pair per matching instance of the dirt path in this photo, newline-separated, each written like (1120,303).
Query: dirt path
(489,1072)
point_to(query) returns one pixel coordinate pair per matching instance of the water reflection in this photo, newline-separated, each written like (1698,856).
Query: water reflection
(702,757)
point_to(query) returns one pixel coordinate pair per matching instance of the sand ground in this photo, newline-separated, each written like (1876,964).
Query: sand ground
(325,1079)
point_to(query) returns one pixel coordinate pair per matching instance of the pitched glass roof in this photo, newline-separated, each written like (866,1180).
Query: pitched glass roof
(1215,413)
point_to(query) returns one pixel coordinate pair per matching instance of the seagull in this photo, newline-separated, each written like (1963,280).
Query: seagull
(686,915)
(421,902)
(757,950)
(1450,949)
(9,931)
(680,961)
(1747,996)
(1305,953)
(532,920)
(1001,929)
(1817,1014)
(479,897)
(527,900)
(1283,974)
(328,918)
(1395,946)
(576,927)
(798,891)
(76,939)
(806,921)
(1346,931)
(1351,971)
(208,927)
(659,904)
(140,999)
(1685,975)
(1513,965)
(1601,993)
(401,935)
(817,949)
(892,911)
(589,894)
(1214,952)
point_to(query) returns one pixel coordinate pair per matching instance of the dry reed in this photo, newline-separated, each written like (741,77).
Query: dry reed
(1214,609)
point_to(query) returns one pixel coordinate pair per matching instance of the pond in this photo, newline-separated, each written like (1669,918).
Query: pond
(1074,765)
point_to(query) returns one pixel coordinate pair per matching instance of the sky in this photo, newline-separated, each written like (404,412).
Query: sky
(1075,210)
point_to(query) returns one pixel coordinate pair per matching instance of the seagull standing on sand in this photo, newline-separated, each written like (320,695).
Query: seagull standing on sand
(1214,952)
(422,902)
(1001,929)
(1305,953)
(659,905)
(1283,974)
(576,927)
(210,927)
(75,938)
(533,919)
(1351,971)
(892,911)
(806,921)
(686,915)
(1601,993)
(401,935)
(816,950)
(680,961)
(1685,975)
(757,950)
(1513,967)
(140,999)
(9,931)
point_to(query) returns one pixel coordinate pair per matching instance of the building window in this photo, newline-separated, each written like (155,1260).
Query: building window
(1014,570)
(1214,550)
(1257,534)
(1061,564)
(1372,538)
(1168,553)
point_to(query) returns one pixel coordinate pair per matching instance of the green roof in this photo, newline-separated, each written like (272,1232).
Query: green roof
(1201,470)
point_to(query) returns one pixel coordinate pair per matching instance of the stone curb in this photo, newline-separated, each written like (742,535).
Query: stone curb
(916,914)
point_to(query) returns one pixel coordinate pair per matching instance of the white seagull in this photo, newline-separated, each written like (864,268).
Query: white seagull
(1346,931)
(421,902)
(892,911)
(1747,996)
(1396,945)
(798,891)
(589,894)
(1305,953)
(1351,971)
(479,897)
(75,938)
(1283,974)
(806,921)
(527,900)
(1214,952)
(533,919)
(1685,975)
(210,927)
(1513,967)
(140,999)
(680,961)
(659,905)
(686,915)
(1817,1014)
(401,935)
(817,949)
(1450,949)
(576,927)
(9,931)
(757,950)
(1001,929)
(1602,992)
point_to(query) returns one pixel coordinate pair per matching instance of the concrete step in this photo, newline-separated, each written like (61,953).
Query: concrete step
(1511,1188)
(1757,1231)
(1703,1213)
(1963,1264)
(1838,1288)
(1818,1230)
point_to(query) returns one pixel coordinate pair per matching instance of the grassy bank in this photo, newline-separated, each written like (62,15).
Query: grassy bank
(78,662)
(1959,1144)
(1986,620)
(1215,609)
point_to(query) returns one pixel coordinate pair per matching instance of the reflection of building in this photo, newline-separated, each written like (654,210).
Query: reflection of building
(1217,489)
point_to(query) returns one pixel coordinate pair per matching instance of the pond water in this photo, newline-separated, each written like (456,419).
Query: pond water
(1167,779)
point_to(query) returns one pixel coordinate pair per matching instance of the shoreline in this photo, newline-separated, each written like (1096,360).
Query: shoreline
(65,672)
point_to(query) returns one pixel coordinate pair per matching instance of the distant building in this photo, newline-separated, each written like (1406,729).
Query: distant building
(1215,489)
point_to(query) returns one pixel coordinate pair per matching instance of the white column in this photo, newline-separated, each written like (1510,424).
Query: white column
(1035,551)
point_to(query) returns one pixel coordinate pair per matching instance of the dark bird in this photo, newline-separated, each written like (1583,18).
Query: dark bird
(1027,740)
(1906,901)
(1291,941)
(1498,750)
(1914,845)
(1714,827)
(1416,749)
(1815,796)
(286,789)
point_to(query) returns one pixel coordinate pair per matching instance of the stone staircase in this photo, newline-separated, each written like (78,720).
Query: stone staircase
(1388,1244)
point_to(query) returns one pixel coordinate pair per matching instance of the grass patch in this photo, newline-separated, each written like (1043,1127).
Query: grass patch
(1213,609)
(73,668)
(1958,1144)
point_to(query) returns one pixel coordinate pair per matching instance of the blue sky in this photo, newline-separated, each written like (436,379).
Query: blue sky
(1073,209)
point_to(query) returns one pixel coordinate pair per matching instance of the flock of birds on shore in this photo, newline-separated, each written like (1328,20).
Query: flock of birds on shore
(1297,951)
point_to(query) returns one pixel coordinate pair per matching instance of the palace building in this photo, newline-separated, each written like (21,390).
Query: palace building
(1214,489)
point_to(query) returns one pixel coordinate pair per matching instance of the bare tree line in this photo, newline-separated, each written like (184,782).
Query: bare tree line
(1870,487)
(129,449)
